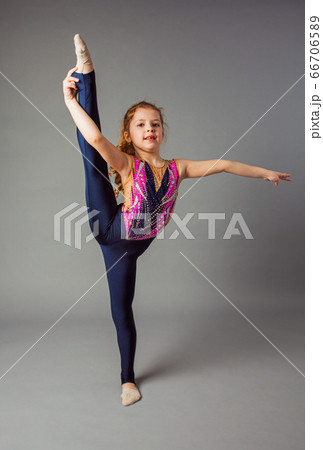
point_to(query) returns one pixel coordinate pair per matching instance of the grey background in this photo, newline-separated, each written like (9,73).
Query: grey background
(209,379)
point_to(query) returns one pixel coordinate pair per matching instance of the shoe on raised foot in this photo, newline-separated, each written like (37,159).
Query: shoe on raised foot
(82,54)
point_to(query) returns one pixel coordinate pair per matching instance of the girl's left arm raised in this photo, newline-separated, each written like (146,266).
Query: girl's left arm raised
(197,169)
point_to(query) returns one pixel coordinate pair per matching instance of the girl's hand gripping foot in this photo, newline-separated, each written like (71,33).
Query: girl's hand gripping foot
(69,86)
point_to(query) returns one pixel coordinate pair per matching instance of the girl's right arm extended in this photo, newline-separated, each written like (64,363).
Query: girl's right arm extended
(88,128)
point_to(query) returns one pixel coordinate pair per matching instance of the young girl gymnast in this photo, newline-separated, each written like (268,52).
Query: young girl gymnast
(150,186)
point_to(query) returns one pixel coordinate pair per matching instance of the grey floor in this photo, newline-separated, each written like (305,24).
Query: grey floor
(208,379)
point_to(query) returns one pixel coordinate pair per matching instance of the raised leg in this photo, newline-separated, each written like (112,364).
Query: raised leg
(98,189)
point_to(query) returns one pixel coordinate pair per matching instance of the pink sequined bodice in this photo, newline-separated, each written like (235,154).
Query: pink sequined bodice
(150,211)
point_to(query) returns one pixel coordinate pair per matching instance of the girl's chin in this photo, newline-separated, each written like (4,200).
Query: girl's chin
(152,144)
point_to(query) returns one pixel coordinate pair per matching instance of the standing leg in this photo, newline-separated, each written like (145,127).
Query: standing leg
(121,271)
(122,279)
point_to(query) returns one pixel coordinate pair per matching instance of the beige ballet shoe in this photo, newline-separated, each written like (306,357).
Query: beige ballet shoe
(130,395)
(82,54)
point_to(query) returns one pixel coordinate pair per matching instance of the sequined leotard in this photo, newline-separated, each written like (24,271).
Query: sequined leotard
(107,221)
(148,207)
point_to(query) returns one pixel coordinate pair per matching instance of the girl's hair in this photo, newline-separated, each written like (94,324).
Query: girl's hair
(124,146)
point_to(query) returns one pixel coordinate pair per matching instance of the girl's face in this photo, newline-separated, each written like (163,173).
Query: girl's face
(145,130)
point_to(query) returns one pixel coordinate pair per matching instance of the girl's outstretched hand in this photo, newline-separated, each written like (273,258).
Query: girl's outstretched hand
(69,86)
(272,175)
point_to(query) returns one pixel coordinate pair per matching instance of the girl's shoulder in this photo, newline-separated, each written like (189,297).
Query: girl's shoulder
(180,165)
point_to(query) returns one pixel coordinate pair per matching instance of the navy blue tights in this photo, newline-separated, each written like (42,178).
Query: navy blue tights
(120,255)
